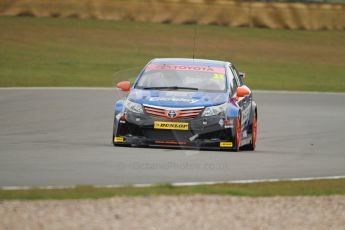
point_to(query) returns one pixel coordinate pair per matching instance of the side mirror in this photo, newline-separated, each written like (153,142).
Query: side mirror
(124,86)
(242,74)
(243,91)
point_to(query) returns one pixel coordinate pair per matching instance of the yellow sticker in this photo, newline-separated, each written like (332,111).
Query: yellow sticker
(218,76)
(225,144)
(171,125)
(119,139)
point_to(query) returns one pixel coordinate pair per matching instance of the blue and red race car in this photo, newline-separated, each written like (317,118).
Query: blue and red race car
(187,102)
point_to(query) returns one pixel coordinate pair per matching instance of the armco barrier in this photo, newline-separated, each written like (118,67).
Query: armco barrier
(310,16)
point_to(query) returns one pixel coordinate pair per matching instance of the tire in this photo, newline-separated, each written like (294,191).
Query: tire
(238,134)
(252,145)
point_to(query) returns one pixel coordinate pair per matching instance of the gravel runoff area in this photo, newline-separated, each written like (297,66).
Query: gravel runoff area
(177,212)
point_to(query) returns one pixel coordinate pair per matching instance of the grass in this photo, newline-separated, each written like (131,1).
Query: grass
(86,52)
(263,189)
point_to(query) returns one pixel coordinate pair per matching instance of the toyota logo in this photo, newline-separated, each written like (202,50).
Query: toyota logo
(172,114)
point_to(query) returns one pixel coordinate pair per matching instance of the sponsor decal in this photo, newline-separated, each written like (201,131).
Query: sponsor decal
(119,139)
(219,70)
(171,142)
(245,115)
(172,99)
(226,144)
(171,125)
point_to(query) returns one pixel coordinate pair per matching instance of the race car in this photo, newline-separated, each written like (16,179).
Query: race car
(187,103)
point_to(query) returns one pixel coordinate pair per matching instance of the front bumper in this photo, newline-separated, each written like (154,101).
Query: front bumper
(203,132)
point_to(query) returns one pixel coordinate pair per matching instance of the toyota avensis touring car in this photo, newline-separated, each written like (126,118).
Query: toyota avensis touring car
(187,102)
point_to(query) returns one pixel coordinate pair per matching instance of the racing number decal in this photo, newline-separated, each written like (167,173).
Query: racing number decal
(218,76)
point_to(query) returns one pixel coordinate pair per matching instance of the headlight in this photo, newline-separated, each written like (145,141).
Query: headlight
(214,110)
(134,107)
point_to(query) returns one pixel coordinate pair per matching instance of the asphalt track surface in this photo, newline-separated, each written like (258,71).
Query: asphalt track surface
(62,137)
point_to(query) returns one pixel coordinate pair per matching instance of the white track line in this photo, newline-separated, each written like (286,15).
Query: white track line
(179,183)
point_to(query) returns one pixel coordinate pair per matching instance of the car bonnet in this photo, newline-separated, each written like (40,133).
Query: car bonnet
(177,98)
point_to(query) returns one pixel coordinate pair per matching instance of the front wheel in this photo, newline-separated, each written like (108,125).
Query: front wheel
(238,134)
(251,146)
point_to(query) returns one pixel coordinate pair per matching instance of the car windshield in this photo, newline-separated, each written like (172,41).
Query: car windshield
(183,77)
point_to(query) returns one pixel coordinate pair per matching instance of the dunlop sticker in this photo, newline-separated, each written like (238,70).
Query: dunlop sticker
(171,125)
(226,144)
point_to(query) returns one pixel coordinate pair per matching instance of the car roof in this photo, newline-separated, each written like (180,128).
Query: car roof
(188,61)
